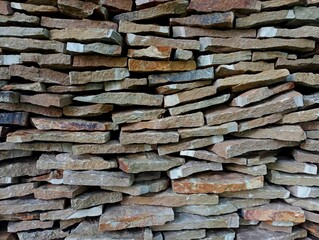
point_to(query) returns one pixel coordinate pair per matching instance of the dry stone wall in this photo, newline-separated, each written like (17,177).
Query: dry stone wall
(158,119)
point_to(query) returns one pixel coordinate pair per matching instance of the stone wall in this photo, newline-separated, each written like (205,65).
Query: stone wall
(158,119)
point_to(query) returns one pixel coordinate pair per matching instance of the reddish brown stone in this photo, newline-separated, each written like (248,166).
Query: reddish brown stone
(161,66)
(47,99)
(87,111)
(34,9)
(118,6)
(56,60)
(51,111)
(89,61)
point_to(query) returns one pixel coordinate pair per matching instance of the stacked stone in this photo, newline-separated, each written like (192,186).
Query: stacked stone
(158,119)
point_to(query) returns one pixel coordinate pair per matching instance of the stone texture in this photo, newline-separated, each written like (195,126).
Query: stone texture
(292,166)
(94,48)
(146,162)
(7,60)
(5,8)
(310,145)
(312,134)
(78,88)
(34,87)
(47,99)
(184,234)
(146,41)
(161,53)
(250,233)
(259,122)
(55,60)
(311,216)
(116,6)
(304,15)
(189,144)
(88,111)
(14,118)
(131,27)
(43,234)
(4,73)
(70,213)
(189,221)
(279,103)
(19,18)
(308,204)
(275,4)
(166,9)
(71,124)
(9,97)
(298,65)
(149,137)
(211,20)
(87,61)
(122,217)
(216,183)
(301,116)
(28,225)
(34,9)
(312,228)
(304,192)
(269,55)
(281,178)
(222,6)
(311,100)
(223,58)
(168,198)
(4,155)
(97,178)
(51,191)
(127,83)
(258,170)
(90,199)
(275,212)
(181,54)
(37,33)
(123,98)
(17,190)
(37,146)
(137,115)
(193,167)
(233,148)
(235,44)
(301,32)
(208,130)
(308,126)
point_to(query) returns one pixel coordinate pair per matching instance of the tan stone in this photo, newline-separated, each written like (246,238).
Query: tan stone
(310,145)
(283,102)
(142,187)
(275,212)
(47,99)
(51,191)
(71,124)
(243,67)
(189,96)
(304,192)
(29,205)
(4,155)
(5,8)
(312,134)
(87,61)
(137,115)
(37,146)
(90,199)
(42,234)
(87,111)
(260,160)
(34,9)
(197,105)
(216,183)
(223,58)
(98,76)
(185,234)
(37,33)
(127,83)
(259,122)
(312,228)
(282,132)
(211,20)
(188,120)
(301,32)
(146,41)
(78,88)
(208,130)
(39,75)
(68,161)
(34,87)
(20,216)
(130,27)
(258,94)
(265,18)
(271,55)
(149,137)
(162,53)
(28,225)
(222,6)
(19,18)
(237,44)
(140,4)
(111,147)
(118,6)
(258,170)
(14,118)
(281,178)
(17,190)
(171,199)
(94,48)
(192,167)
(189,144)
(79,9)
(307,79)
(301,64)
(74,23)
(161,66)
(245,81)
(292,166)
(190,221)
(25,45)
(54,177)
(166,9)
(178,87)
(189,32)
(233,148)
(55,60)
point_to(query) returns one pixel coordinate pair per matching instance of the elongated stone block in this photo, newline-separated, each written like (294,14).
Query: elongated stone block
(28,225)
(90,199)
(17,190)
(94,48)
(281,178)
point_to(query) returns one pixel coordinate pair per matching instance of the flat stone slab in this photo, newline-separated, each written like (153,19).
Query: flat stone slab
(137,115)
(88,111)
(184,234)
(28,225)
(149,137)
(43,234)
(131,27)
(311,204)
(292,166)
(51,191)
(304,192)
(135,65)
(305,156)
(223,58)
(281,178)
(17,190)
(93,48)
(18,168)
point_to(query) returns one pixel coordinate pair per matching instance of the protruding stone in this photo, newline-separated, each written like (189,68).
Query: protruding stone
(87,111)
(301,116)
(223,58)
(17,190)
(122,217)
(149,137)
(189,144)
(236,44)
(233,148)
(29,225)
(265,18)
(70,213)
(211,20)
(97,47)
(137,115)
(216,183)
(166,9)
(193,167)
(222,6)
(6,60)
(127,83)
(311,100)
(111,147)
(189,221)
(292,166)
(258,122)
(90,199)
(55,60)
(146,41)
(308,204)
(71,124)
(169,198)
(52,191)
(14,118)
(281,178)
(178,87)
(283,102)
(124,98)
(130,27)
(146,162)
(161,53)
(312,216)
(304,192)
